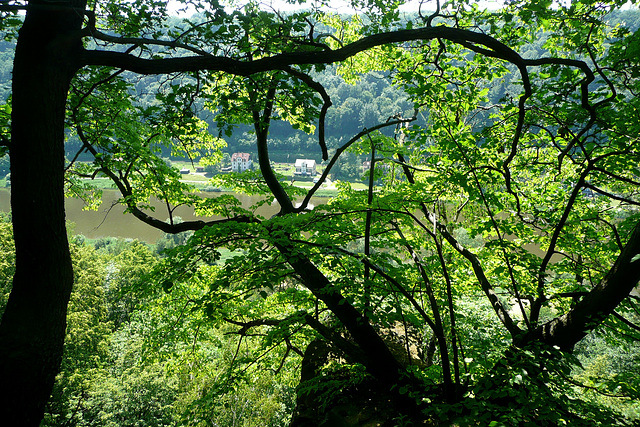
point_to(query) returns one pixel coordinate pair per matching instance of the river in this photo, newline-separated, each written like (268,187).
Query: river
(111,221)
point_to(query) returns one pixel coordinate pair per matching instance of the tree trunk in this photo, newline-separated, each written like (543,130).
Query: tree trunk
(33,326)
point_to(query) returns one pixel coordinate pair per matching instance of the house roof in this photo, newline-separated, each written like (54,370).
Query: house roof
(243,156)
(306,162)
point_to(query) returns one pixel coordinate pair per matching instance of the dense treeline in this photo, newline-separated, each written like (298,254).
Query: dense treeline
(487,275)
(358,103)
(138,353)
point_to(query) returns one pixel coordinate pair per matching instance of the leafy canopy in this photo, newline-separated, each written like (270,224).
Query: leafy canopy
(513,180)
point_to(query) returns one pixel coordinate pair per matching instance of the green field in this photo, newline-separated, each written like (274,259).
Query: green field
(202,181)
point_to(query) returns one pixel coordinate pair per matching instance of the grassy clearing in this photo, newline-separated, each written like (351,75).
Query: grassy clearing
(103,183)
(195,178)
(184,164)
(286,169)
(202,183)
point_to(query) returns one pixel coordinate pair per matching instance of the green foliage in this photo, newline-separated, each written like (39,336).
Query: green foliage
(7,261)
(5,124)
(608,372)
(505,187)
(138,355)
(528,387)
(88,330)
(327,387)
(139,397)
(264,400)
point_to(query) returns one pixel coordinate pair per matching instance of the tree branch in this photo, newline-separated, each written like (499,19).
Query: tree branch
(611,195)
(376,356)
(542,271)
(326,103)
(486,286)
(138,42)
(339,152)
(281,61)
(261,126)
(126,191)
(625,321)
(566,330)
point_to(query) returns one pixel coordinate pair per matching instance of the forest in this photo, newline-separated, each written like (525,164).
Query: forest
(486,276)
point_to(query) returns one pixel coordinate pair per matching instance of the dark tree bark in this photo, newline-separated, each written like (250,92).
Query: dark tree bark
(567,330)
(34,322)
(374,353)
(48,54)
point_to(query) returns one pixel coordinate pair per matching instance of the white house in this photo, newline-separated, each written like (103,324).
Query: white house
(305,167)
(241,162)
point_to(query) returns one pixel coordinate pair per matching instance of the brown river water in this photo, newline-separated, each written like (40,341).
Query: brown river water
(111,221)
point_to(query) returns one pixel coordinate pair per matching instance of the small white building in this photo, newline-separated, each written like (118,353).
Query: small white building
(305,167)
(241,162)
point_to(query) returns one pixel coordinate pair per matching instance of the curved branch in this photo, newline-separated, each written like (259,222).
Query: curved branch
(611,195)
(617,177)
(625,321)
(281,61)
(261,125)
(138,42)
(486,286)
(323,111)
(339,152)
(171,228)
(584,84)
(92,31)
(565,331)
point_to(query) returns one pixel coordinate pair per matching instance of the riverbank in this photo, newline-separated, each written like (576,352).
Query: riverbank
(110,220)
(203,184)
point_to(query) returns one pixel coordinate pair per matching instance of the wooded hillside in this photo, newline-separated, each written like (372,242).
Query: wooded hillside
(486,276)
